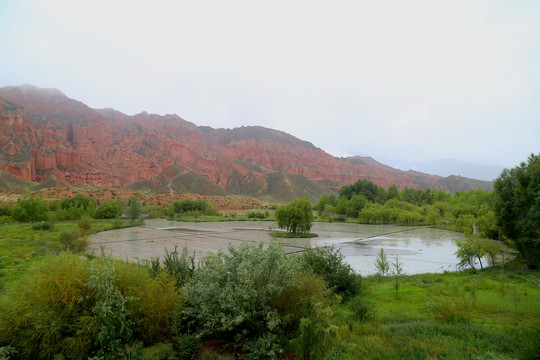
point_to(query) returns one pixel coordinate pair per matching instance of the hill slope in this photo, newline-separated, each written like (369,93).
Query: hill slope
(44,133)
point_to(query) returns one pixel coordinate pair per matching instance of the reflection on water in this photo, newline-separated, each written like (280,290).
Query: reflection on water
(420,249)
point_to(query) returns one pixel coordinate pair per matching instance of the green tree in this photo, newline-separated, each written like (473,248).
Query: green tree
(296,216)
(381,263)
(134,208)
(109,210)
(392,192)
(29,210)
(517,207)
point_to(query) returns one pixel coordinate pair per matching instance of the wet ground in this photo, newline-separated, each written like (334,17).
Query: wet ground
(419,249)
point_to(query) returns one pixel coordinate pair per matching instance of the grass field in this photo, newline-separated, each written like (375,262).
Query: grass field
(487,314)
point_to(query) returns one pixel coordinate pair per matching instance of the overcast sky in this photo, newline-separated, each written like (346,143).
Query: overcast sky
(404,80)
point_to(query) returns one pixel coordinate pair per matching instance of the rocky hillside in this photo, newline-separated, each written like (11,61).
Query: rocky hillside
(45,134)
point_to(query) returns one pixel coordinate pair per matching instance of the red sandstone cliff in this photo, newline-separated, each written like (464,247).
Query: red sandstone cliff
(43,133)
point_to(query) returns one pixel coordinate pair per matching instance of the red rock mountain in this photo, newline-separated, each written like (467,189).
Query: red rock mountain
(44,133)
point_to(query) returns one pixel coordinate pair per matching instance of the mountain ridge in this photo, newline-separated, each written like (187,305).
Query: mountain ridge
(45,133)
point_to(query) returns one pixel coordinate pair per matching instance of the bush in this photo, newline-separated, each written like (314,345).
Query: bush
(29,210)
(43,225)
(72,241)
(330,265)
(62,304)
(109,210)
(256,215)
(361,309)
(84,224)
(188,347)
(191,207)
(231,293)
(5,210)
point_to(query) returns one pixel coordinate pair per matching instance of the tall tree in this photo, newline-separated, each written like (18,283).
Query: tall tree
(517,207)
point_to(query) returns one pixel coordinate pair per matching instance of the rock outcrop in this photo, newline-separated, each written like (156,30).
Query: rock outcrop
(44,133)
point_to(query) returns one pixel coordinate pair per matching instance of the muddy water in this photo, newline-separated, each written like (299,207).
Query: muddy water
(420,250)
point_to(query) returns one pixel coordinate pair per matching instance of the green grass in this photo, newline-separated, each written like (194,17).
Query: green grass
(283,234)
(461,315)
(20,244)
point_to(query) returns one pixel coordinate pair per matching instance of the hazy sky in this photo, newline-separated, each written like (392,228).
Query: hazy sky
(409,80)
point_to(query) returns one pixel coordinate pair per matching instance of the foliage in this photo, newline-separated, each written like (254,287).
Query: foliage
(84,224)
(68,306)
(191,207)
(73,208)
(72,241)
(296,216)
(258,215)
(113,323)
(29,210)
(7,352)
(134,209)
(331,266)
(381,263)
(230,294)
(109,210)
(517,207)
(43,225)
(397,271)
(179,266)
(187,347)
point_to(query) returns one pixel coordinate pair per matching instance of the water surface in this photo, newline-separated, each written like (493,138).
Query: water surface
(419,249)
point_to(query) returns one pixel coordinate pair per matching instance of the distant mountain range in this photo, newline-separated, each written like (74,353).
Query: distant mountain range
(47,137)
(447,167)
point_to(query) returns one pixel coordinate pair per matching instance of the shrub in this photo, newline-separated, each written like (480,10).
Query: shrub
(180,267)
(188,347)
(109,210)
(47,311)
(230,294)
(361,309)
(5,210)
(192,207)
(330,265)
(29,210)
(112,318)
(43,225)
(67,306)
(72,241)
(256,215)
(84,224)
(160,351)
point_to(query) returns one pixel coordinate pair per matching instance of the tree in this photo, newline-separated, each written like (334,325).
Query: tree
(381,263)
(397,271)
(517,207)
(29,210)
(134,208)
(471,249)
(296,216)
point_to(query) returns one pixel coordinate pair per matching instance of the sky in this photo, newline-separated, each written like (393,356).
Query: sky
(405,81)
